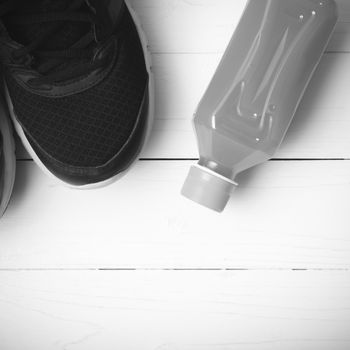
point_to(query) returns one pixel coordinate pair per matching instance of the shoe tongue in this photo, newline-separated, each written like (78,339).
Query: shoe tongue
(67,35)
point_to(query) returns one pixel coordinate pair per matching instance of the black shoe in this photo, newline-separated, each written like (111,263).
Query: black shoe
(78,85)
(7,158)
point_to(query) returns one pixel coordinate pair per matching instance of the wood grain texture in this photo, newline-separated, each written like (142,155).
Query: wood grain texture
(172,310)
(137,267)
(283,215)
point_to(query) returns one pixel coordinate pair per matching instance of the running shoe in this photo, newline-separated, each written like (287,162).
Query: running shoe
(7,158)
(78,84)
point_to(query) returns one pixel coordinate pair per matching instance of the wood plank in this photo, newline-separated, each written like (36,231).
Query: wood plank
(321,128)
(174,310)
(202,26)
(283,215)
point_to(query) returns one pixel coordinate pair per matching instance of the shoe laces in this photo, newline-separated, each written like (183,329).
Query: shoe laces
(55,66)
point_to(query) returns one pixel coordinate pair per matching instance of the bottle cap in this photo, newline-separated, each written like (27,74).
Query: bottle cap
(208,188)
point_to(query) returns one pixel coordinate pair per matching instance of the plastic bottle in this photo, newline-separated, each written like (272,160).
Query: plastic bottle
(250,103)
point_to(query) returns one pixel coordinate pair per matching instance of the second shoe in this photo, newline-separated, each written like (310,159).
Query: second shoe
(78,85)
(7,158)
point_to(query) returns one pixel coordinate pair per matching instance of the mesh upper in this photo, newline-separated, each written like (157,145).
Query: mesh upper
(89,128)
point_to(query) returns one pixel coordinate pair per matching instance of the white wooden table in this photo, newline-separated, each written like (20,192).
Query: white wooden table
(137,267)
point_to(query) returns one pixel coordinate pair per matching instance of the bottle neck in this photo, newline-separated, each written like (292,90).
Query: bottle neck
(218,169)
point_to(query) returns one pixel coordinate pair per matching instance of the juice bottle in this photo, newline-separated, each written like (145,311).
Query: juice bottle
(254,94)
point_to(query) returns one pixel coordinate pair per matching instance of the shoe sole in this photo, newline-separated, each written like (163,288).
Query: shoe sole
(8,144)
(150,117)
